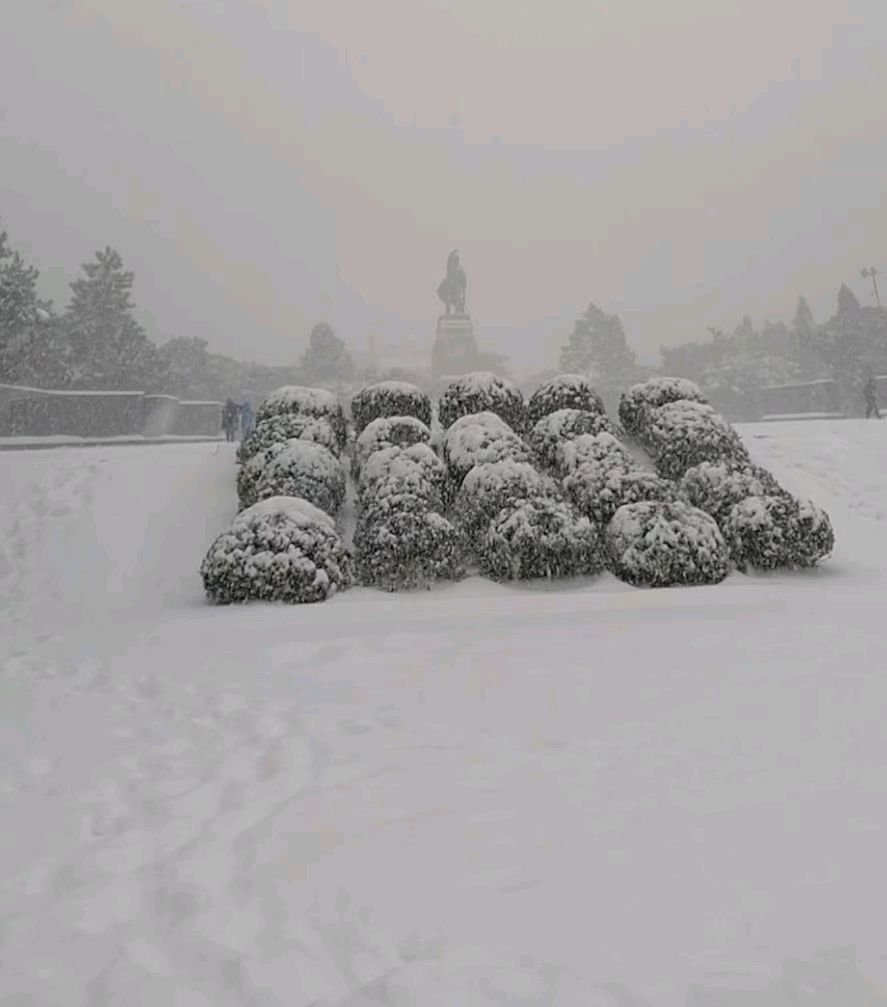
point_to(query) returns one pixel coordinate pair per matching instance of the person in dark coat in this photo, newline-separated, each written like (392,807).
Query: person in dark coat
(870,391)
(229,419)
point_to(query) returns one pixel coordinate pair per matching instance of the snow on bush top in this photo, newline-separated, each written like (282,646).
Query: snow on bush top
(599,489)
(479,438)
(566,391)
(595,449)
(489,487)
(386,432)
(305,401)
(716,487)
(662,544)
(414,470)
(405,546)
(637,403)
(767,532)
(482,392)
(389,398)
(539,537)
(685,433)
(278,429)
(549,435)
(307,470)
(282,549)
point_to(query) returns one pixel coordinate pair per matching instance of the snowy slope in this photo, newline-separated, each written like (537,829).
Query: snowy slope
(581,794)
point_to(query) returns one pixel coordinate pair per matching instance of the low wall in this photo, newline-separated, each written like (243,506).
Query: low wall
(38,412)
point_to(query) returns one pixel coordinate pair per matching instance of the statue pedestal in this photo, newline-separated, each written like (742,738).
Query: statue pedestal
(455,348)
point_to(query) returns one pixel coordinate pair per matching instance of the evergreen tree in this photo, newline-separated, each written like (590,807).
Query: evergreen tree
(110,349)
(803,335)
(597,347)
(21,311)
(185,363)
(326,358)
(841,344)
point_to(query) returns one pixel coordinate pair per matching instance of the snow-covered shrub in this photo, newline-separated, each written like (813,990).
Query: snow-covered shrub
(716,487)
(490,487)
(416,470)
(482,392)
(389,398)
(296,399)
(767,532)
(282,549)
(552,431)
(306,470)
(386,432)
(595,449)
(664,544)
(250,472)
(401,544)
(685,433)
(566,391)
(476,439)
(598,490)
(640,400)
(542,536)
(287,426)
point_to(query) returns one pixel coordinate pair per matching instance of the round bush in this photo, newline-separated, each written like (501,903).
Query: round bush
(250,472)
(416,470)
(683,434)
(551,432)
(482,392)
(598,491)
(306,470)
(405,545)
(591,449)
(490,487)
(566,391)
(389,398)
(664,544)
(637,404)
(298,400)
(282,549)
(539,537)
(716,487)
(386,432)
(767,532)
(476,439)
(287,426)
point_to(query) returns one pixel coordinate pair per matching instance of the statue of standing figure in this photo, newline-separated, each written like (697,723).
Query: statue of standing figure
(452,288)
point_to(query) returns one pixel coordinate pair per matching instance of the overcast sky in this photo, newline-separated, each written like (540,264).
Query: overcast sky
(264,163)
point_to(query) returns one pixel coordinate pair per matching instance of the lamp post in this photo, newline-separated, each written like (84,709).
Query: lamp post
(870,271)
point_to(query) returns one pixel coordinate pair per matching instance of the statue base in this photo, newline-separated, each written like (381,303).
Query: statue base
(455,348)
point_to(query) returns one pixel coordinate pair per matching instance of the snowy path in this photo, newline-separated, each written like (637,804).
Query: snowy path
(478,795)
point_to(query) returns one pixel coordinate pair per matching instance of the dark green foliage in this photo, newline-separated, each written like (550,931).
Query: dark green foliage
(389,398)
(481,392)
(565,391)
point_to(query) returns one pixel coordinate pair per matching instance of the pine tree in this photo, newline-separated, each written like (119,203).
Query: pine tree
(597,347)
(326,358)
(840,343)
(109,347)
(803,341)
(21,311)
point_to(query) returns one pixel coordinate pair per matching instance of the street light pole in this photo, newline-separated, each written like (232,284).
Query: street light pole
(873,273)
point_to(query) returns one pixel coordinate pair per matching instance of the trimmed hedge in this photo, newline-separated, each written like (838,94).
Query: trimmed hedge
(276,430)
(281,549)
(767,532)
(415,470)
(716,487)
(566,391)
(683,434)
(638,403)
(482,392)
(476,439)
(387,432)
(665,544)
(598,491)
(389,398)
(550,433)
(306,470)
(299,400)
(539,537)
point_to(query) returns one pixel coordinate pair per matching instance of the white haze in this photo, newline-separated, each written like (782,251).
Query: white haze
(261,165)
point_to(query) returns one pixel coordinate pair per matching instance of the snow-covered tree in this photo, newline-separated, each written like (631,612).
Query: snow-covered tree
(21,314)
(597,346)
(326,358)
(110,349)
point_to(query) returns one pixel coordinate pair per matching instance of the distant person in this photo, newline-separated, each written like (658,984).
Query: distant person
(229,419)
(247,419)
(870,391)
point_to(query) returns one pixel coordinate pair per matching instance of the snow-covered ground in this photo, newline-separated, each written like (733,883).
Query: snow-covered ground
(579,794)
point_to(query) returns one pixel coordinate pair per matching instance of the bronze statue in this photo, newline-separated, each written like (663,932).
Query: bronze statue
(452,288)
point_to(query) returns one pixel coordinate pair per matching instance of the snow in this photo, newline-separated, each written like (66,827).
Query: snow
(295,509)
(297,398)
(480,794)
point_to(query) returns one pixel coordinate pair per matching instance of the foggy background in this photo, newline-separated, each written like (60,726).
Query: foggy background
(264,165)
